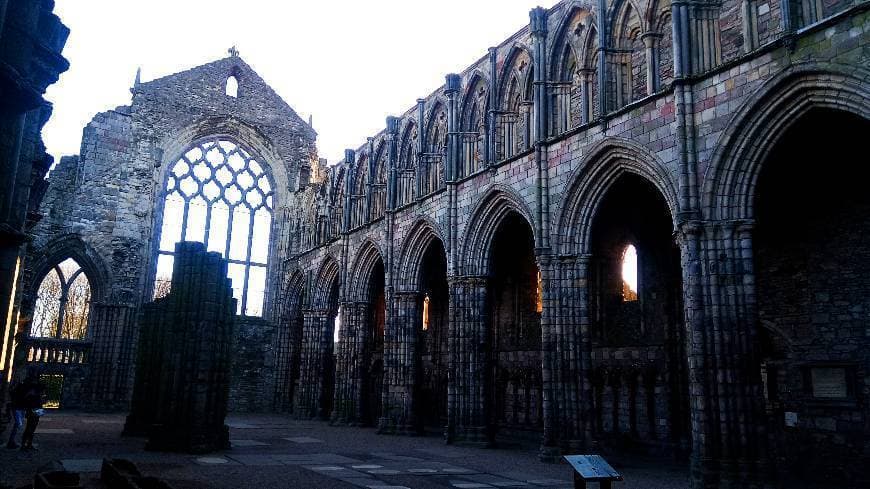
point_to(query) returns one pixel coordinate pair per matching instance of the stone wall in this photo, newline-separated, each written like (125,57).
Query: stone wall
(104,206)
(740,74)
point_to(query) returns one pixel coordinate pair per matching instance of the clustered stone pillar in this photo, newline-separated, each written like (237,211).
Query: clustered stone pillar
(185,357)
(400,365)
(113,329)
(31,41)
(315,359)
(467,369)
(571,344)
(729,439)
(349,367)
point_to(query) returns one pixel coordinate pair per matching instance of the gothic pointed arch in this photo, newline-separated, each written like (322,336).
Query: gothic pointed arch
(415,245)
(570,80)
(360,274)
(406,171)
(252,138)
(379,181)
(337,176)
(63,303)
(87,257)
(325,283)
(221,193)
(288,344)
(515,117)
(483,222)
(729,182)
(473,117)
(605,163)
(629,74)
(359,190)
(435,149)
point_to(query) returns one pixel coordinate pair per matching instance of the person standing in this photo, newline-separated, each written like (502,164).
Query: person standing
(34,391)
(16,409)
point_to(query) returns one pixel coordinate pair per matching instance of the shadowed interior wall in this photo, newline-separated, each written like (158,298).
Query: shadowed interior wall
(813,269)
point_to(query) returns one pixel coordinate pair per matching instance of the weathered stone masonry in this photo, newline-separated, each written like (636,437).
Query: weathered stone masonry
(471,251)
(104,209)
(31,41)
(578,127)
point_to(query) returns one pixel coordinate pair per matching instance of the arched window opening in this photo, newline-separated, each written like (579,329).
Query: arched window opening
(426,313)
(629,274)
(63,303)
(232,88)
(219,194)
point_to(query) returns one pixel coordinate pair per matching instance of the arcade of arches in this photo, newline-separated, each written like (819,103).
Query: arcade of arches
(637,231)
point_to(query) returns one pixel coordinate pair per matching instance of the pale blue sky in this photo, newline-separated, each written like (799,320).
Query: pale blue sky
(347,63)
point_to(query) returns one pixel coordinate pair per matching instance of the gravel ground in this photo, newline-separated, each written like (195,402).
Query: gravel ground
(271,451)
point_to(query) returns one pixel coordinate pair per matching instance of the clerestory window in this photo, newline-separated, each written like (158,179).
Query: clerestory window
(63,303)
(217,193)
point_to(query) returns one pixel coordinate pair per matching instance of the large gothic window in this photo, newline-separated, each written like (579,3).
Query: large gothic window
(62,303)
(220,195)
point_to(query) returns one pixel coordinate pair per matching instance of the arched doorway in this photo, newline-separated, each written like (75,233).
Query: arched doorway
(812,266)
(513,383)
(430,390)
(638,360)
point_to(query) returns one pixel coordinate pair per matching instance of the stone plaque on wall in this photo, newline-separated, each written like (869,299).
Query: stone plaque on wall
(829,382)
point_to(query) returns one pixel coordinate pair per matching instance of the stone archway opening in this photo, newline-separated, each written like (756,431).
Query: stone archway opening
(430,396)
(513,383)
(638,372)
(812,265)
(373,347)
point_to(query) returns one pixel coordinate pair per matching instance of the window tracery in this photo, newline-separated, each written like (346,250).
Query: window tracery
(217,193)
(63,303)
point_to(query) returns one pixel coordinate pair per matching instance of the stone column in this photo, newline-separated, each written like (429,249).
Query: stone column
(113,330)
(185,358)
(603,96)
(400,365)
(452,87)
(586,91)
(421,146)
(392,156)
(314,359)
(651,43)
(538,25)
(492,114)
(466,390)
(347,406)
(349,158)
(566,295)
(728,430)
(370,180)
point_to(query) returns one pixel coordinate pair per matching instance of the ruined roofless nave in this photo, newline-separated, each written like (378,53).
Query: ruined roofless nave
(632,227)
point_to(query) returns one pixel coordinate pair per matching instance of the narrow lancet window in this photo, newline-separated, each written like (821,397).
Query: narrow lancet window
(426,313)
(629,274)
(232,88)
